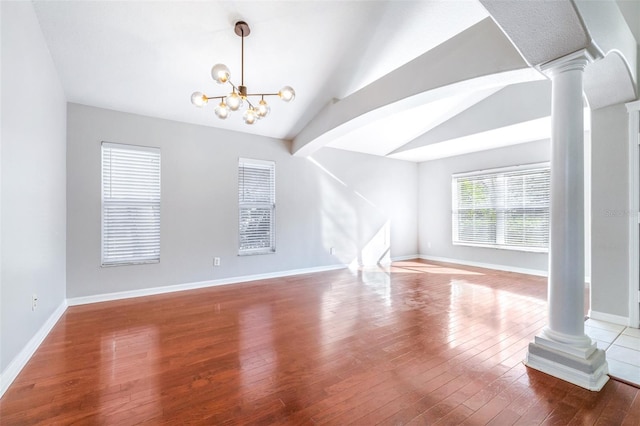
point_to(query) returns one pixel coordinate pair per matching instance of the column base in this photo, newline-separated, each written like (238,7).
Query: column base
(587,370)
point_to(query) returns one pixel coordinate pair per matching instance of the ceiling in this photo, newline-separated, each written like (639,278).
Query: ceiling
(148,57)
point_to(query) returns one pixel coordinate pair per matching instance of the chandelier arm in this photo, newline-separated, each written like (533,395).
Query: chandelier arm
(214,97)
(262,94)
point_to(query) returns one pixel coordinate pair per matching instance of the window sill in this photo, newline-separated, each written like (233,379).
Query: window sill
(252,253)
(504,247)
(109,265)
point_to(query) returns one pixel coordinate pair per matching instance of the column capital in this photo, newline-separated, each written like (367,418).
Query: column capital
(573,61)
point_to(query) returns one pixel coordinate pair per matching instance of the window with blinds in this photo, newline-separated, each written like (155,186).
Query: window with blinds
(503,208)
(257,206)
(130,204)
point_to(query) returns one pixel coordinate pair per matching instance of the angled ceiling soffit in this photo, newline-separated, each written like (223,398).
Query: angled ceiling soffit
(513,104)
(477,58)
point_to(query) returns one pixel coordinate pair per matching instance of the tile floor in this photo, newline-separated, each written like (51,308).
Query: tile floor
(622,345)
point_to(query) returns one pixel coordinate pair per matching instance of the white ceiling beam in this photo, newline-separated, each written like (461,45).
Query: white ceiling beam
(478,58)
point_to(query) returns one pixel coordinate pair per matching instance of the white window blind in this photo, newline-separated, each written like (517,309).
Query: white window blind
(130,204)
(505,208)
(257,206)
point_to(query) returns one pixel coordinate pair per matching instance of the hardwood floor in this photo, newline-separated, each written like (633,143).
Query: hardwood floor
(415,343)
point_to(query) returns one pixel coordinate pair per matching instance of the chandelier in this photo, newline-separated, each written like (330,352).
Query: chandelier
(234,100)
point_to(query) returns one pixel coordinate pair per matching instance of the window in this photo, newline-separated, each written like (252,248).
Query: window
(503,208)
(130,204)
(257,206)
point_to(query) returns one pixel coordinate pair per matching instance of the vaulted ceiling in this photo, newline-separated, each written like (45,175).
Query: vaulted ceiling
(148,57)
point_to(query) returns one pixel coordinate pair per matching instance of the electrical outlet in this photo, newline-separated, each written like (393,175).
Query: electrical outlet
(34,302)
(216,261)
(332,250)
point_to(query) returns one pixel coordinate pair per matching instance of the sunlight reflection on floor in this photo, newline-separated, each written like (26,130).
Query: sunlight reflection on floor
(418,268)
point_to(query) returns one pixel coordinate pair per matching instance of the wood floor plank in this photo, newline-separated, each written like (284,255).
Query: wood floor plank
(633,414)
(414,343)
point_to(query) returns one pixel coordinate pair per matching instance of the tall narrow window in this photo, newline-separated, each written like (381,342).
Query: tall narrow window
(257,206)
(503,208)
(130,204)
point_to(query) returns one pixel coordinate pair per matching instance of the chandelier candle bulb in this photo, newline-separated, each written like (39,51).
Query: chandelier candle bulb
(250,116)
(220,73)
(222,110)
(263,108)
(199,99)
(287,93)
(234,100)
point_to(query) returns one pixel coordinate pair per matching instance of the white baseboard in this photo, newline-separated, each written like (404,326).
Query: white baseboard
(487,265)
(614,319)
(17,364)
(401,258)
(83,300)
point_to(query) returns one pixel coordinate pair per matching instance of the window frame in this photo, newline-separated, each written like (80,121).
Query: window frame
(501,212)
(270,205)
(153,203)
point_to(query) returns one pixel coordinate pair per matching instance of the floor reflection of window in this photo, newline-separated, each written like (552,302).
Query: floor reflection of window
(257,354)
(126,357)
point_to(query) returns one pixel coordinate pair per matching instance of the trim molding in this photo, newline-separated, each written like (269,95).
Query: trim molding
(408,257)
(18,363)
(633,108)
(537,272)
(614,319)
(83,300)
(594,381)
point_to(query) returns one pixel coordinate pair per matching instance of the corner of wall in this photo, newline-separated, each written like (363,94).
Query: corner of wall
(17,364)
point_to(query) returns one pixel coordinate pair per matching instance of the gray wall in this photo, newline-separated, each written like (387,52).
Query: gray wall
(336,199)
(434,205)
(609,214)
(33,181)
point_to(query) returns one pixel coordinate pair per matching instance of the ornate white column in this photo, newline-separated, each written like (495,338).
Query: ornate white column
(562,349)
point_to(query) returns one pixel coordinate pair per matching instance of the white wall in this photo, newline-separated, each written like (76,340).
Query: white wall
(33,183)
(609,215)
(434,206)
(336,199)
